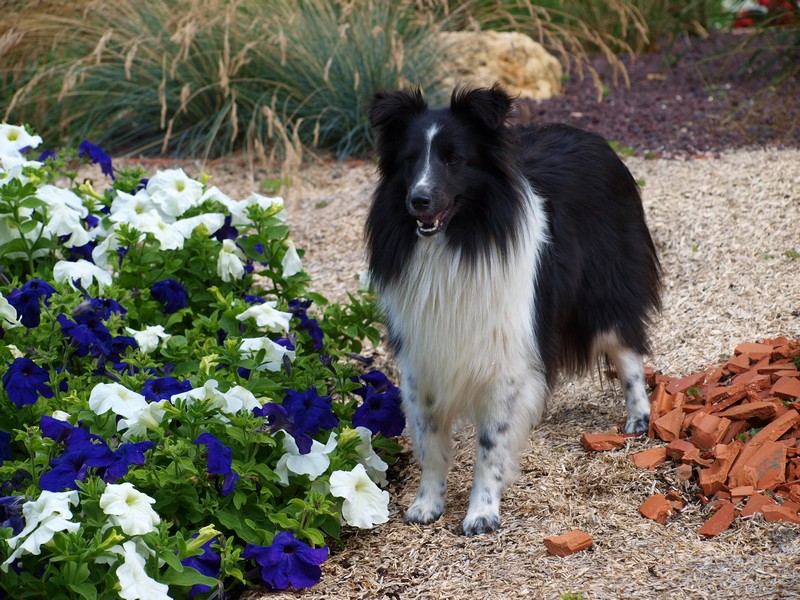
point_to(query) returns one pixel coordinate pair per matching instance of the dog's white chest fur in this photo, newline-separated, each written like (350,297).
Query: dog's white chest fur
(464,324)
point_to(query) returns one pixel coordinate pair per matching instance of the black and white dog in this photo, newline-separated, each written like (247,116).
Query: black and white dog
(501,255)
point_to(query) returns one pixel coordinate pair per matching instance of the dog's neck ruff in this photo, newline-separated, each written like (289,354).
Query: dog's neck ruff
(456,317)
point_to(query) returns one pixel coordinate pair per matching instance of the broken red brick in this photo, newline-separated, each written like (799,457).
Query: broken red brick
(568,543)
(650,458)
(738,364)
(600,442)
(708,431)
(742,491)
(735,429)
(713,479)
(657,508)
(668,426)
(766,468)
(750,410)
(660,402)
(769,433)
(756,504)
(787,388)
(685,383)
(776,512)
(677,448)
(719,521)
(754,350)
(683,473)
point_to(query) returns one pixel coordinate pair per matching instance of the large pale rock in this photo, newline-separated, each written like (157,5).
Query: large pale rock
(482,58)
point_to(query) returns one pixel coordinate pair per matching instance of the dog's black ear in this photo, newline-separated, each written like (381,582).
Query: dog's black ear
(487,106)
(387,107)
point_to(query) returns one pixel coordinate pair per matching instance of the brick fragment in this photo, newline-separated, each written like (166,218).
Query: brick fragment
(769,433)
(677,448)
(756,504)
(787,388)
(708,431)
(601,442)
(773,513)
(650,458)
(754,350)
(742,491)
(713,478)
(719,521)
(750,410)
(738,364)
(660,402)
(568,543)
(668,426)
(657,508)
(685,383)
(683,473)
(766,469)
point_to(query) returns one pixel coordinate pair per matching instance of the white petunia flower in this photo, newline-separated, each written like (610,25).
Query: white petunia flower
(313,464)
(273,359)
(211,221)
(267,316)
(8,315)
(375,465)
(239,210)
(83,271)
(60,415)
(229,263)
(150,337)
(44,517)
(127,208)
(174,192)
(365,504)
(291,262)
(134,582)
(116,398)
(129,508)
(14,139)
(62,220)
(234,400)
(142,419)
(165,233)
(55,196)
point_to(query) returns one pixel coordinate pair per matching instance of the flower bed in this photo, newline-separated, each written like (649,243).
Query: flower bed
(176,417)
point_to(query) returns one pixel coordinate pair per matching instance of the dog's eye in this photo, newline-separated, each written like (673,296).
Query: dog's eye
(451,159)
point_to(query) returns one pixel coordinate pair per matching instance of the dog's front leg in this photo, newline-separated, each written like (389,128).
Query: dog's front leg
(432,449)
(514,406)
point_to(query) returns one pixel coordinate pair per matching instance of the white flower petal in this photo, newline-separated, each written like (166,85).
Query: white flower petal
(134,582)
(267,316)
(129,508)
(83,271)
(365,504)
(116,398)
(291,262)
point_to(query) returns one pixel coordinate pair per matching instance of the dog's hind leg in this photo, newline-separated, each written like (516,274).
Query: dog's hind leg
(630,369)
(433,451)
(513,407)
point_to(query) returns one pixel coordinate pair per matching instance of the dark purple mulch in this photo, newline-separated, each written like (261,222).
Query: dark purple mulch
(697,106)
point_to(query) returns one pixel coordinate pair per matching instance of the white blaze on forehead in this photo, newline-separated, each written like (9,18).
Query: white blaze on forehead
(423,181)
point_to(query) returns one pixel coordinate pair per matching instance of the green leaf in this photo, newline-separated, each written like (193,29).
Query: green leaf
(84,590)
(187,577)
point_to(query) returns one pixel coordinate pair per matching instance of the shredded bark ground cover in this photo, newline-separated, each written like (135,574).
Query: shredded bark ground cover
(724,213)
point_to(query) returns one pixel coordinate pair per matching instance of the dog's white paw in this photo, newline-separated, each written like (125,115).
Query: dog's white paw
(637,423)
(423,511)
(482,523)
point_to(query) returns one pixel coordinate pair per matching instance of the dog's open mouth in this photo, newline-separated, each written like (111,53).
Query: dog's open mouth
(428,225)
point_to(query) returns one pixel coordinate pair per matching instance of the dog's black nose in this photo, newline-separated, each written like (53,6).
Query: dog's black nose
(420,201)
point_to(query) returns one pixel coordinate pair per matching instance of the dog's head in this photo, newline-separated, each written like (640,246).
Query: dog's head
(440,158)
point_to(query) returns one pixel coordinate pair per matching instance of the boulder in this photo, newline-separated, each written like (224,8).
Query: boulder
(481,58)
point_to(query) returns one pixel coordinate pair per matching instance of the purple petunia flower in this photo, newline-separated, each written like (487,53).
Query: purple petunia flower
(310,411)
(288,562)
(207,563)
(40,287)
(11,513)
(126,455)
(298,309)
(380,411)
(26,303)
(46,155)
(5,446)
(72,466)
(251,299)
(278,419)
(97,156)
(220,459)
(171,294)
(25,381)
(227,231)
(163,388)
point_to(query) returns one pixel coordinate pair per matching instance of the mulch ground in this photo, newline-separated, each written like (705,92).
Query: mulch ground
(694,96)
